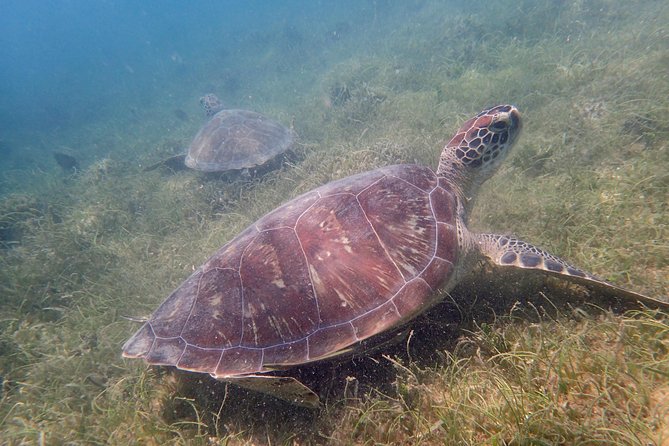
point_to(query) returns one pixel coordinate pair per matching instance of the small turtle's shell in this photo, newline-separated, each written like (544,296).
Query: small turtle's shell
(326,270)
(237,139)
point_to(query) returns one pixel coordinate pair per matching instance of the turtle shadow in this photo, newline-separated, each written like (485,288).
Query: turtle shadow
(227,409)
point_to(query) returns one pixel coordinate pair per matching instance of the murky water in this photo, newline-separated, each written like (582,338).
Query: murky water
(96,92)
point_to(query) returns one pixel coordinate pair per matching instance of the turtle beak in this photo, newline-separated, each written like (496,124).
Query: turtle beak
(514,117)
(514,125)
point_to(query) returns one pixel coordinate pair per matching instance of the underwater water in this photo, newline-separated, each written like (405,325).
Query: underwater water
(96,228)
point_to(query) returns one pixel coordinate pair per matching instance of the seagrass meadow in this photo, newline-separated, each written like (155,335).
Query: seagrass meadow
(505,360)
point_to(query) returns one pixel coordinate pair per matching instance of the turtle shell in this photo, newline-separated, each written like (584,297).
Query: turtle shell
(237,139)
(337,265)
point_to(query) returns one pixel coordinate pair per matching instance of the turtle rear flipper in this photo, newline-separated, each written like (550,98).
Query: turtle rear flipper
(283,387)
(508,251)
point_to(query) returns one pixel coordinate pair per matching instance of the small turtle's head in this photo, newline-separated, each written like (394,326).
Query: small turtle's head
(477,149)
(211,104)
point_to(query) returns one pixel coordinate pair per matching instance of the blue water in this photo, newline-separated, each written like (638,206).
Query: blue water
(67,64)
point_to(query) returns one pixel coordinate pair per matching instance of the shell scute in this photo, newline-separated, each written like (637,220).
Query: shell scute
(329,340)
(376,321)
(199,359)
(230,255)
(444,205)
(415,297)
(402,218)
(437,272)
(353,184)
(278,300)
(171,316)
(289,353)
(418,176)
(239,361)
(166,351)
(214,318)
(140,343)
(287,215)
(350,270)
(447,242)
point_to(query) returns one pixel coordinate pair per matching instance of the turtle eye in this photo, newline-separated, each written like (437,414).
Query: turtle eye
(498,126)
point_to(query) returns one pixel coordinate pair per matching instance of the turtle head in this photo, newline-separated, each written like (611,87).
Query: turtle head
(479,146)
(211,104)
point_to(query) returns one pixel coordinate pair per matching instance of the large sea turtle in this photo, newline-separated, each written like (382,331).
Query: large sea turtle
(232,140)
(345,262)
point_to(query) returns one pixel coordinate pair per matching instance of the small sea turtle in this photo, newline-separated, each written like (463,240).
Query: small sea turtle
(232,140)
(345,262)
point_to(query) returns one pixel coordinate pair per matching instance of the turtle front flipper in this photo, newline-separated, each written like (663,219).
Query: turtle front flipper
(508,251)
(174,163)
